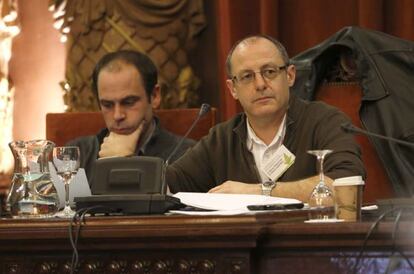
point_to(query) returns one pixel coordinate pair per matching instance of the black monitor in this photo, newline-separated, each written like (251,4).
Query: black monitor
(128,185)
(127,175)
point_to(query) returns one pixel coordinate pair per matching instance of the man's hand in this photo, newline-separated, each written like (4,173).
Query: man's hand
(117,145)
(237,188)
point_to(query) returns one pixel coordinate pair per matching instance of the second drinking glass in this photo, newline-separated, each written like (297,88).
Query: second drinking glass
(321,200)
(66,161)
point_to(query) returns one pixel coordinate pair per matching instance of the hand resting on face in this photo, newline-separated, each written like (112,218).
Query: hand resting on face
(118,145)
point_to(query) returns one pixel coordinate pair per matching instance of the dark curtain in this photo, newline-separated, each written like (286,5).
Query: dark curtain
(301,24)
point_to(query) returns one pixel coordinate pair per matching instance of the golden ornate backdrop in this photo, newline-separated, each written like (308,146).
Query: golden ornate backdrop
(164,30)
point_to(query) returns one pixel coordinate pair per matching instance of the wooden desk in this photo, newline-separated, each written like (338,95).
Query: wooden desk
(181,244)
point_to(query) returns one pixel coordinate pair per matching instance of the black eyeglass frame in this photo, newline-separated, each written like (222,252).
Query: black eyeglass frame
(280,68)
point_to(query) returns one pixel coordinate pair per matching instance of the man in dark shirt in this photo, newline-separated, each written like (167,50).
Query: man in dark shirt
(268,143)
(125,84)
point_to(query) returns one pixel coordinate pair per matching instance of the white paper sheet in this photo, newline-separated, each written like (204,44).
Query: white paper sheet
(321,221)
(228,202)
(216,212)
(79,186)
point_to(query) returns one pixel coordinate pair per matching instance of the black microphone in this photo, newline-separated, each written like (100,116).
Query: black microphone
(205,108)
(350,128)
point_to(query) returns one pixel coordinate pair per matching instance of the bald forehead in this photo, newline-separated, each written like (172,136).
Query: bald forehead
(251,46)
(249,50)
(254,40)
(116,66)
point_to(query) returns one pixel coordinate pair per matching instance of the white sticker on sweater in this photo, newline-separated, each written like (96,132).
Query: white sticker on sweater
(278,163)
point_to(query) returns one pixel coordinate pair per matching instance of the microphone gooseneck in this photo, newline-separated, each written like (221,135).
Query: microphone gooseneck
(204,109)
(350,128)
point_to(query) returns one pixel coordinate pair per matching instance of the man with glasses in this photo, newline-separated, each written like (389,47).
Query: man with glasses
(264,149)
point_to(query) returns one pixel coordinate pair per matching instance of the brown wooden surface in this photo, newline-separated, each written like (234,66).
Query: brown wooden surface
(62,127)
(347,97)
(262,243)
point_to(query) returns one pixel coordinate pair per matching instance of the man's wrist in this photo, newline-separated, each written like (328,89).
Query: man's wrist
(267,187)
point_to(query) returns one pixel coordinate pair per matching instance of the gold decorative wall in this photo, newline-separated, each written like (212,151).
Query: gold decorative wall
(165,30)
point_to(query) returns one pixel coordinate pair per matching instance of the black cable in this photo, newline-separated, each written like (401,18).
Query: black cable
(75,254)
(74,242)
(374,226)
(394,239)
(406,259)
(399,251)
(371,229)
(80,215)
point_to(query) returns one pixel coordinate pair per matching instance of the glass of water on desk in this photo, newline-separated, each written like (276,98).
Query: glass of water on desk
(66,161)
(321,201)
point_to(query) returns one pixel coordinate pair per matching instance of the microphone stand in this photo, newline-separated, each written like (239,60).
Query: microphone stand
(350,128)
(205,108)
(386,205)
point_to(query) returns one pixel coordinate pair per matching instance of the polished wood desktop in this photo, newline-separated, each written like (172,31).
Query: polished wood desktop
(261,243)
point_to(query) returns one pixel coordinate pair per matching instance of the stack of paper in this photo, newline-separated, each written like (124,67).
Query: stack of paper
(226,204)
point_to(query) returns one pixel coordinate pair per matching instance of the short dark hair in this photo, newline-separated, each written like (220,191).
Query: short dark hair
(278,45)
(140,61)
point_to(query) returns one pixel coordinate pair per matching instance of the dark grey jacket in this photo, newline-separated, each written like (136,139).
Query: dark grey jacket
(385,68)
(161,145)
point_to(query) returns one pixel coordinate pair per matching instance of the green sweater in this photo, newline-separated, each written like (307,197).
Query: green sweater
(223,155)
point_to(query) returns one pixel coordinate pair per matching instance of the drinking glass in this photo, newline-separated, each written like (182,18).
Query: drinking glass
(322,200)
(66,161)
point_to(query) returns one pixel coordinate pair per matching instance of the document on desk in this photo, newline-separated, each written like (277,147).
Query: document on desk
(79,186)
(225,204)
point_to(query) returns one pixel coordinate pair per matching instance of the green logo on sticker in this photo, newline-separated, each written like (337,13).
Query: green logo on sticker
(287,159)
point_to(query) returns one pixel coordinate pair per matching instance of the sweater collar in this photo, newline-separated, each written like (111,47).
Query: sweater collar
(240,127)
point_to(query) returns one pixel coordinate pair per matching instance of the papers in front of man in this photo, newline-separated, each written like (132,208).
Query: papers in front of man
(225,204)
(79,186)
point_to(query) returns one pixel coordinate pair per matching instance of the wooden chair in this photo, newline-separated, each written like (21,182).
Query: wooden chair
(62,127)
(347,97)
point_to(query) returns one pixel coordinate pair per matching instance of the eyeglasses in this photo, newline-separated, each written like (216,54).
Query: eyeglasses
(268,73)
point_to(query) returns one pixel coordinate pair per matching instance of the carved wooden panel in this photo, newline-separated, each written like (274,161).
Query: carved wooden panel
(165,31)
(120,264)
(275,242)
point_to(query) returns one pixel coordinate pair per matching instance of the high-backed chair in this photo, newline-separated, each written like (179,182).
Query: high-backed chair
(62,127)
(347,97)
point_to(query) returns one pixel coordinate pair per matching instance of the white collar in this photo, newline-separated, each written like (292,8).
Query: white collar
(253,138)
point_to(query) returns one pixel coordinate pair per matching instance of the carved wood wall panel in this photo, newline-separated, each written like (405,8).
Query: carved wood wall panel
(119,263)
(164,30)
(273,242)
